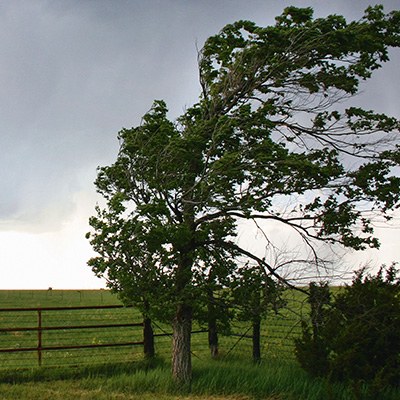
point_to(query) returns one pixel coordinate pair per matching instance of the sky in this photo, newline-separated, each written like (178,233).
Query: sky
(72,74)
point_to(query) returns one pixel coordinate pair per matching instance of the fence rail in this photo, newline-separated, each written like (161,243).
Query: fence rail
(39,328)
(71,335)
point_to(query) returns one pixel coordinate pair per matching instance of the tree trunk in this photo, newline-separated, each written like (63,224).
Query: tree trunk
(181,353)
(256,340)
(213,337)
(148,338)
(212,326)
(182,322)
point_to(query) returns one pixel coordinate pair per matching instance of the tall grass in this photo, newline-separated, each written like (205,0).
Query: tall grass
(273,380)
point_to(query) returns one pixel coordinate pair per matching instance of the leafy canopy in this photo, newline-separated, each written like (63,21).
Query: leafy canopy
(269,141)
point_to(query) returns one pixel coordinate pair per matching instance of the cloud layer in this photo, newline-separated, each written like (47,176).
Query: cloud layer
(73,73)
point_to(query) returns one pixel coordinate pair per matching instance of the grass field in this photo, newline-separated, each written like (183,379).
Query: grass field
(123,374)
(277,336)
(21,339)
(56,298)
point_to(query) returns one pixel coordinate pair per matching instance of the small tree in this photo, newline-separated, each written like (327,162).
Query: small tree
(360,333)
(254,295)
(127,268)
(218,318)
(218,314)
(265,144)
(213,297)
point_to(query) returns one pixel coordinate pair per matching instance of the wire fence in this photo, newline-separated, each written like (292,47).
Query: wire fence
(57,336)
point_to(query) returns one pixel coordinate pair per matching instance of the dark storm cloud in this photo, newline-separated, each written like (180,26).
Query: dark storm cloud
(72,73)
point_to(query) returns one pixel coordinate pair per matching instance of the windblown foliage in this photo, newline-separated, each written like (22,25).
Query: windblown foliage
(269,141)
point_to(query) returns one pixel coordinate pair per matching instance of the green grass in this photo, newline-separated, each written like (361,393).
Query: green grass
(56,298)
(122,374)
(277,341)
(65,337)
(273,380)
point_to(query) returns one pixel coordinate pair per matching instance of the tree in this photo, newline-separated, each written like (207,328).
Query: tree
(255,294)
(130,273)
(359,332)
(218,314)
(263,144)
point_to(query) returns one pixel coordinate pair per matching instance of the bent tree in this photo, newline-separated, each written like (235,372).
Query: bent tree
(269,141)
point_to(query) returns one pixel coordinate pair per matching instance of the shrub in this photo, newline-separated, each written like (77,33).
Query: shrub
(358,334)
(311,350)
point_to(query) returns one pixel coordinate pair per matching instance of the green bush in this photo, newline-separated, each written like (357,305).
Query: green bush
(355,337)
(312,350)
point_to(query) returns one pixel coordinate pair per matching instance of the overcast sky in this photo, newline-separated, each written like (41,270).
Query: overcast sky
(72,74)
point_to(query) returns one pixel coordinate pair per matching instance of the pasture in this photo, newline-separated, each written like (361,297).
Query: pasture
(122,372)
(56,298)
(277,340)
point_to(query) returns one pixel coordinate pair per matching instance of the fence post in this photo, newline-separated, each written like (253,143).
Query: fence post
(39,347)
(148,338)
(256,337)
